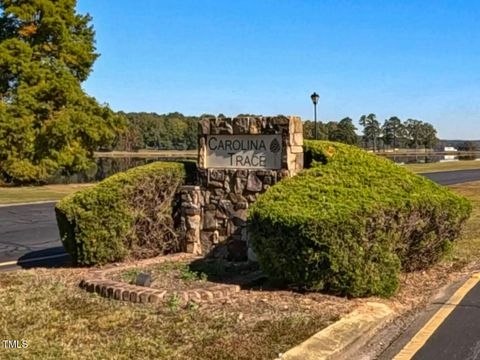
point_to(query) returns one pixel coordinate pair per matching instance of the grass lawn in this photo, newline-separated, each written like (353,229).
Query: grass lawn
(59,320)
(13,195)
(467,249)
(444,166)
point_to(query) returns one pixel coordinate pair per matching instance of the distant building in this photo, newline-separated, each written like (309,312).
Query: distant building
(449,148)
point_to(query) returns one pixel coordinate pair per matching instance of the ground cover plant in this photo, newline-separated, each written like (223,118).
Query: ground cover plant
(127,215)
(355,221)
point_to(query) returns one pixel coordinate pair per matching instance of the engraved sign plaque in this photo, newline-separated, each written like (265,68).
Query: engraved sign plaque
(244,151)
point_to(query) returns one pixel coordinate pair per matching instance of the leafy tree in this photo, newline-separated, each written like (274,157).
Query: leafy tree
(413,128)
(47,122)
(393,129)
(344,132)
(468,146)
(428,135)
(309,130)
(371,129)
(166,131)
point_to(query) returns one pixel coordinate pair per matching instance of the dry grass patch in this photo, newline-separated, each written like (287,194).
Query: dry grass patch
(59,320)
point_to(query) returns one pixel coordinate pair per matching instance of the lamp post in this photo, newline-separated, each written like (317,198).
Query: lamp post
(314,98)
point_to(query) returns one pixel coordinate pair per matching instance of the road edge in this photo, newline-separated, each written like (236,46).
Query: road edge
(30,203)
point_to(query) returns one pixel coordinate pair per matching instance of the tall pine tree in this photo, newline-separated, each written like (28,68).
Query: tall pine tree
(47,122)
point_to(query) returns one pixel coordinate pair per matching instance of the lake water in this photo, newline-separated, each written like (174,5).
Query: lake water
(104,167)
(415,159)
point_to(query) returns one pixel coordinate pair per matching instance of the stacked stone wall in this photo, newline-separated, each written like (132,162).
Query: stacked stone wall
(214,213)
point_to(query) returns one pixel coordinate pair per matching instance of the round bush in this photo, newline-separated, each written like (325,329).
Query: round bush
(350,222)
(127,215)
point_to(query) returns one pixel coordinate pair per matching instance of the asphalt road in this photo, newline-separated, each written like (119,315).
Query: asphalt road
(454,177)
(30,231)
(458,337)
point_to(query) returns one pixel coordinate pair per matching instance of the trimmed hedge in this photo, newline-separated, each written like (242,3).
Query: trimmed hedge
(350,222)
(127,215)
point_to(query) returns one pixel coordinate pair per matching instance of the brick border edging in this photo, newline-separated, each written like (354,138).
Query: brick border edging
(98,283)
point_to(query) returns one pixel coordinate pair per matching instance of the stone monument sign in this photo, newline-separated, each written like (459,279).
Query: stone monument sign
(238,159)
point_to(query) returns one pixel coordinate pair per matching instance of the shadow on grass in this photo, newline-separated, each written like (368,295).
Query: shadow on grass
(243,273)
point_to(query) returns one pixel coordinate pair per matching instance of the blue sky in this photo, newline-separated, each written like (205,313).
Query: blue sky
(412,59)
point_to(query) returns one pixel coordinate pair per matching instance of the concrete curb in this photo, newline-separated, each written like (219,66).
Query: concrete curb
(340,339)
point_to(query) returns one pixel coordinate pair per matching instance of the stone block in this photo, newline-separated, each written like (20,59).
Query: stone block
(192,235)
(241,125)
(227,127)
(239,185)
(295,125)
(295,139)
(241,205)
(214,126)
(206,197)
(226,205)
(210,207)
(221,215)
(236,198)
(295,149)
(241,174)
(202,154)
(291,160)
(192,210)
(204,126)
(255,126)
(193,222)
(216,184)
(253,182)
(209,220)
(280,120)
(299,162)
(226,184)
(219,192)
(125,295)
(217,175)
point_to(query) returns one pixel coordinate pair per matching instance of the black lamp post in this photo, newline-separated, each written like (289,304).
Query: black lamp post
(314,98)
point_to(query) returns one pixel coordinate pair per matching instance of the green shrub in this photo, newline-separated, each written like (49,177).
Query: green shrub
(127,215)
(351,221)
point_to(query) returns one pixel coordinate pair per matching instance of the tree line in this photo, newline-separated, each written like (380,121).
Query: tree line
(393,133)
(173,131)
